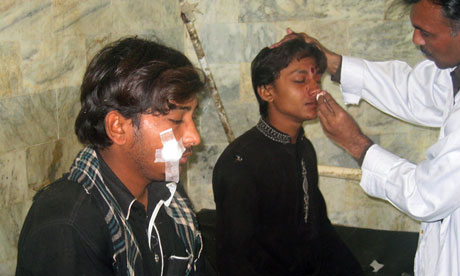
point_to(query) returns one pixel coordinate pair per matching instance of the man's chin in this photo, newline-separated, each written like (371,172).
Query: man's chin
(442,65)
(439,64)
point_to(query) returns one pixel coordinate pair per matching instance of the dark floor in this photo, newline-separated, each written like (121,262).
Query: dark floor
(395,250)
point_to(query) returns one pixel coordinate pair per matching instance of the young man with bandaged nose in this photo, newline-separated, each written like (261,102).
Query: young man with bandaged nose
(120,209)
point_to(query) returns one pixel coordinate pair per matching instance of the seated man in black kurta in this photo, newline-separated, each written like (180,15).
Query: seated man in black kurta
(271,216)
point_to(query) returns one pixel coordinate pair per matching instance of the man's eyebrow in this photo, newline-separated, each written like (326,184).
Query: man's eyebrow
(299,71)
(420,28)
(184,107)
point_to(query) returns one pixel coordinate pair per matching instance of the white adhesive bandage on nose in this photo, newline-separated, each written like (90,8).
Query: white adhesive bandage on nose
(170,154)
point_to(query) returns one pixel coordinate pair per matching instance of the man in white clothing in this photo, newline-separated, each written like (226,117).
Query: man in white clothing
(424,95)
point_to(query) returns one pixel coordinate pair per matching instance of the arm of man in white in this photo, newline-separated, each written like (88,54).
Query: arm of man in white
(418,95)
(427,191)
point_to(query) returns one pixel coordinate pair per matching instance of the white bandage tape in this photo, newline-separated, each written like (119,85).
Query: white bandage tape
(170,154)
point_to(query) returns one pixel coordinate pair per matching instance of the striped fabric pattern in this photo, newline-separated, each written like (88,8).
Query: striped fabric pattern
(186,224)
(85,170)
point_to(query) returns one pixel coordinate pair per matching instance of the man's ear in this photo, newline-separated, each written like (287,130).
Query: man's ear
(266,92)
(117,127)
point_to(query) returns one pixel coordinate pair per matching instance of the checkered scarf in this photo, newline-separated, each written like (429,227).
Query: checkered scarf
(187,228)
(85,170)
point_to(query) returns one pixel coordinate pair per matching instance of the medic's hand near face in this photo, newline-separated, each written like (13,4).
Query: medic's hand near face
(333,59)
(340,127)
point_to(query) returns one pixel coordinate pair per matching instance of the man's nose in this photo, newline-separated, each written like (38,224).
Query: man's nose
(417,38)
(191,136)
(313,87)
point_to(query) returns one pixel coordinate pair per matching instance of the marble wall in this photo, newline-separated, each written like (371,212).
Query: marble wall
(46,44)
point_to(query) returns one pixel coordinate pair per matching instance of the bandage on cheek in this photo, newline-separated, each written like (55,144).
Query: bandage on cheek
(170,154)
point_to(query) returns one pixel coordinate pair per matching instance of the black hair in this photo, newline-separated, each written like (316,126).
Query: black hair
(267,65)
(450,10)
(133,76)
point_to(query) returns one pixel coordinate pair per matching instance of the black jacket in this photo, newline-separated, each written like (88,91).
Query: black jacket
(65,232)
(261,227)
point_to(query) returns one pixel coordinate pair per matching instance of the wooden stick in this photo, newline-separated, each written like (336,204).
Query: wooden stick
(204,65)
(339,172)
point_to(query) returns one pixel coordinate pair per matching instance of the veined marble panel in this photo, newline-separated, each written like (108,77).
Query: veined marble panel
(410,145)
(170,16)
(227,79)
(377,40)
(209,125)
(74,17)
(25,19)
(13,175)
(49,161)
(396,9)
(350,9)
(68,108)
(217,11)
(200,174)
(243,116)
(328,153)
(172,37)
(348,204)
(12,217)
(258,36)
(313,130)
(223,43)
(10,69)
(53,63)
(27,120)
(275,10)
(246,90)
(134,15)
(8,267)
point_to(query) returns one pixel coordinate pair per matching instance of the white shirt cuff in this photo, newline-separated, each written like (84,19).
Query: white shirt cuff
(352,79)
(376,166)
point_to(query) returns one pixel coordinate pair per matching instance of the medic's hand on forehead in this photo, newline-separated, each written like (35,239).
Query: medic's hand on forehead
(170,154)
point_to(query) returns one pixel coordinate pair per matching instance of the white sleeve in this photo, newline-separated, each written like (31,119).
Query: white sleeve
(418,95)
(428,191)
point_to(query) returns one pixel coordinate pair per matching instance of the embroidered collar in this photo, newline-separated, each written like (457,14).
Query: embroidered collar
(272,133)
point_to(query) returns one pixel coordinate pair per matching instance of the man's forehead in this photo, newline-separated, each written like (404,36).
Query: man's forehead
(427,16)
(303,66)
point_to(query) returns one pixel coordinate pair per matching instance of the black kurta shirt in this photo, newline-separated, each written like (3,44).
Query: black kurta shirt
(261,228)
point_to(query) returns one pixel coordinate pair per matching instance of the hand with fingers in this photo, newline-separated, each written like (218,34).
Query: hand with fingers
(333,59)
(341,128)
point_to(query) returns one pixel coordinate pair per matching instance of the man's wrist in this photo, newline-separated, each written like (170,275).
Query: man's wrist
(336,76)
(360,160)
(358,148)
